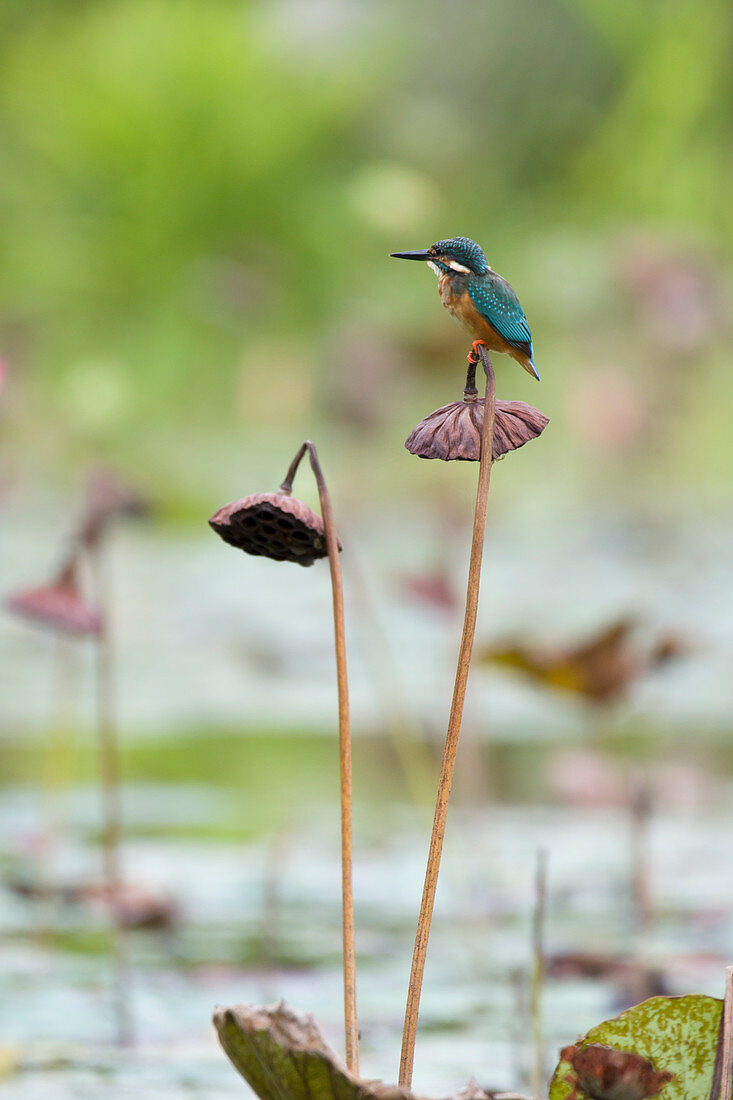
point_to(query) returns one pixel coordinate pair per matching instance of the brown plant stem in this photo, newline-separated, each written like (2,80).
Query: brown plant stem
(111,802)
(640,810)
(347,891)
(287,484)
(454,727)
(470,390)
(726,1084)
(56,775)
(641,901)
(407,738)
(538,972)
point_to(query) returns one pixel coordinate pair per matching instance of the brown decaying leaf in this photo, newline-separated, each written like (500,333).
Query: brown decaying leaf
(272,525)
(282,1056)
(453,432)
(632,981)
(607,1074)
(137,906)
(602,668)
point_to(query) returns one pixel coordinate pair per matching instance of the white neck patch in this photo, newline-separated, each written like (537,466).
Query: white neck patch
(455,266)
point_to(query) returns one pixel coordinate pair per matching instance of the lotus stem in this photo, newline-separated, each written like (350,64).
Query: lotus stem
(287,484)
(275,861)
(454,727)
(111,802)
(538,972)
(640,814)
(56,772)
(347,891)
(406,737)
(726,1084)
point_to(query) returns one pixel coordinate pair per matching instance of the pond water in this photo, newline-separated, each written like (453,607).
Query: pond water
(258,920)
(208,635)
(227,709)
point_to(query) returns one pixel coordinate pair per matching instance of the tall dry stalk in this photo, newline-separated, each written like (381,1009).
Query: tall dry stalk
(445,781)
(538,972)
(56,776)
(407,738)
(347,890)
(277,526)
(109,769)
(726,1040)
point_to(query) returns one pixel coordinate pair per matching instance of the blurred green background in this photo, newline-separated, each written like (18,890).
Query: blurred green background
(197,202)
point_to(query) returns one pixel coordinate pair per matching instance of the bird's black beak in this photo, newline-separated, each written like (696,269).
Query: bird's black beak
(421,254)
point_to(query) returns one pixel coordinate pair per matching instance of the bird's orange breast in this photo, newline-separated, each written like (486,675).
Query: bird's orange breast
(460,306)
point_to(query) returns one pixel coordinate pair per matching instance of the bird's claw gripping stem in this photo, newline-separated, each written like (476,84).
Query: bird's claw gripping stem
(473,358)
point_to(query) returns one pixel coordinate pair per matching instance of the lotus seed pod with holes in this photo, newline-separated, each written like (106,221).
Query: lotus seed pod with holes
(272,525)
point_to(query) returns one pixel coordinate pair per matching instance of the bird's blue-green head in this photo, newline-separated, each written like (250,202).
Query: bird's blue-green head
(458,255)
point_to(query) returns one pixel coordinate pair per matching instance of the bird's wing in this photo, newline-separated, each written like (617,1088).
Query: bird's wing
(497,302)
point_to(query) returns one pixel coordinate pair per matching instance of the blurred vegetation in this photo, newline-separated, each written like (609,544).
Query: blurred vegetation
(196,202)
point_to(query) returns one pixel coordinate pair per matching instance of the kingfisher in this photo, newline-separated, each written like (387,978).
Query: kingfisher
(482,301)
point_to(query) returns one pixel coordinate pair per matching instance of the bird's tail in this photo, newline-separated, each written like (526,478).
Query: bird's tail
(528,364)
(525,360)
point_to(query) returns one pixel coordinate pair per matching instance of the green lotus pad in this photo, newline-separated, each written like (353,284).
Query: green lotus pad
(678,1034)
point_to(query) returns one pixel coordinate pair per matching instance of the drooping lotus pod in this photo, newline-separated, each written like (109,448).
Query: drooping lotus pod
(272,525)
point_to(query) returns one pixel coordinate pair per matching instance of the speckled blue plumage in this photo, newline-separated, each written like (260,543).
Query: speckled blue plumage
(497,301)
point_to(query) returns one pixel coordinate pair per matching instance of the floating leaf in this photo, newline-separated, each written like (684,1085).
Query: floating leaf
(282,1056)
(677,1035)
(602,668)
(607,1074)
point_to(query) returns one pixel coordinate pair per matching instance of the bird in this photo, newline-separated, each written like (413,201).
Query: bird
(479,298)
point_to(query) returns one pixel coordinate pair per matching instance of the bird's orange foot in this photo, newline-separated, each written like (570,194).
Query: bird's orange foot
(473,356)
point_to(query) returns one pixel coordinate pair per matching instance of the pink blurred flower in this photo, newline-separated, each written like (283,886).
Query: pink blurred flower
(58,606)
(606,409)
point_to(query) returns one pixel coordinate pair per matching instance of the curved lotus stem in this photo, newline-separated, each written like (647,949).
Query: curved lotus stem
(454,727)
(347,890)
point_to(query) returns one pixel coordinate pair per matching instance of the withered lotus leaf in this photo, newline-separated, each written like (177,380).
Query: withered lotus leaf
(601,668)
(282,1056)
(453,432)
(272,525)
(664,1045)
(607,1074)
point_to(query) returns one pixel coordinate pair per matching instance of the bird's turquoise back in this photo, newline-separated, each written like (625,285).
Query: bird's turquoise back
(497,302)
